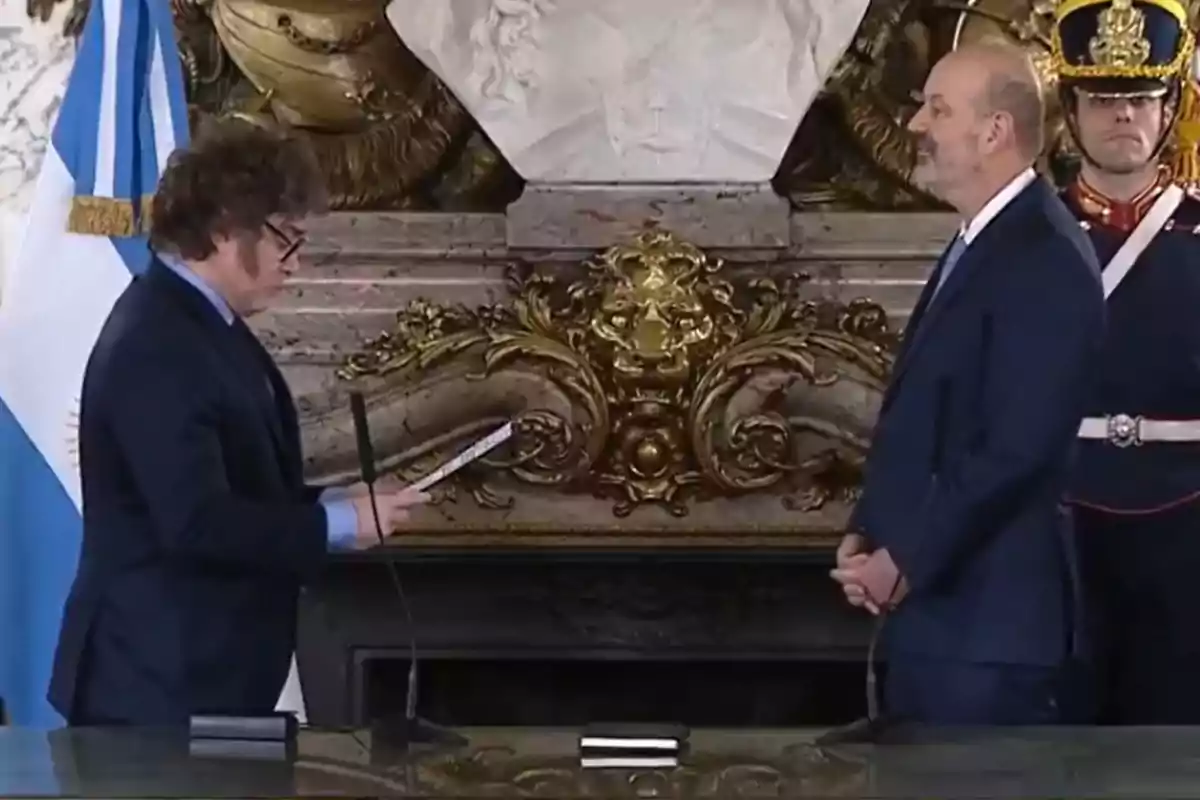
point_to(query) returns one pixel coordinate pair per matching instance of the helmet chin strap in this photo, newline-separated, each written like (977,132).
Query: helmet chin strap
(1069,101)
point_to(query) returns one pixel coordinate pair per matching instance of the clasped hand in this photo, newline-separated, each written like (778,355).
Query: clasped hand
(869,579)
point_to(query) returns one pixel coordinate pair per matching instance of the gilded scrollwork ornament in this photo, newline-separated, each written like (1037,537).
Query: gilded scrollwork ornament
(664,379)
(719,764)
(796,769)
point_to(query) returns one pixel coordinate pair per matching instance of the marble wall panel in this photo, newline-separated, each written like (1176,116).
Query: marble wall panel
(35,60)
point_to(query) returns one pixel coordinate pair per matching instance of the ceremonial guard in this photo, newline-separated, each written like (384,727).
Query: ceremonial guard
(1125,70)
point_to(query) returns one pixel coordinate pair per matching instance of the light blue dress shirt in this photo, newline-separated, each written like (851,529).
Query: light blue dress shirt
(341,521)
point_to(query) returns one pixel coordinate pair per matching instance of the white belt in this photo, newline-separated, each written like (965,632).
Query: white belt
(1123,430)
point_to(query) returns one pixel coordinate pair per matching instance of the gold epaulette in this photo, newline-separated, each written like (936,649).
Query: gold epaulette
(1191,224)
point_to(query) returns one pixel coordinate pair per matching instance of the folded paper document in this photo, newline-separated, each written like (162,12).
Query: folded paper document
(477,450)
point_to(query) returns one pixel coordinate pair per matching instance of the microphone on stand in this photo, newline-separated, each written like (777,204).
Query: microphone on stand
(410,729)
(872,728)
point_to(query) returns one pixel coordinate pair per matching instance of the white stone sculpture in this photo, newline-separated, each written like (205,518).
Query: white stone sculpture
(636,91)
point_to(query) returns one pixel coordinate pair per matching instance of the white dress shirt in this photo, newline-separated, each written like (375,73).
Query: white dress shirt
(969,230)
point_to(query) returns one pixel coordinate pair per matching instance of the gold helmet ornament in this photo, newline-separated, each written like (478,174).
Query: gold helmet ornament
(1131,48)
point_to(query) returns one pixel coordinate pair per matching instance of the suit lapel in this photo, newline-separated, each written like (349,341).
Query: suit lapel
(911,328)
(922,306)
(238,353)
(932,305)
(964,270)
(271,393)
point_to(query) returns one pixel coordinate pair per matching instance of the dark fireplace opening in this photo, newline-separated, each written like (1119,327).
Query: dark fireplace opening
(571,693)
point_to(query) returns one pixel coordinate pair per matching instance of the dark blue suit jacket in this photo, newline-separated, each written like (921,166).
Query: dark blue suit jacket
(198,527)
(973,444)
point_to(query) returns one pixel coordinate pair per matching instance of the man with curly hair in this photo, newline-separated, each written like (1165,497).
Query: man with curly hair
(198,526)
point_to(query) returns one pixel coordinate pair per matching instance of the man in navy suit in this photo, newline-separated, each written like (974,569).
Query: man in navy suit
(198,526)
(959,536)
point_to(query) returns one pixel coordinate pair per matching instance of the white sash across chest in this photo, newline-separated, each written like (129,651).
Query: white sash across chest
(1125,430)
(1145,231)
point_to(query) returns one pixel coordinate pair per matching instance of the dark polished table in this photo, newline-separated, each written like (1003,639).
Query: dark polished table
(1139,764)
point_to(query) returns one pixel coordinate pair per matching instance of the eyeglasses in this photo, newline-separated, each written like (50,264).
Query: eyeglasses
(290,245)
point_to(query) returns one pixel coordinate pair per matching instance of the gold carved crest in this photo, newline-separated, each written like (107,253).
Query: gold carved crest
(654,378)
(1120,39)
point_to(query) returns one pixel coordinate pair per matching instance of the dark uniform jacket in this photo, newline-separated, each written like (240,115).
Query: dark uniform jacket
(1151,360)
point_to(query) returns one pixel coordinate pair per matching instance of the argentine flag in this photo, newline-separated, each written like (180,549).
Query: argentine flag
(123,113)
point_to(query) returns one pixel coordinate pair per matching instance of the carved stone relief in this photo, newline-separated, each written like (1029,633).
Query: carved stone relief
(654,92)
